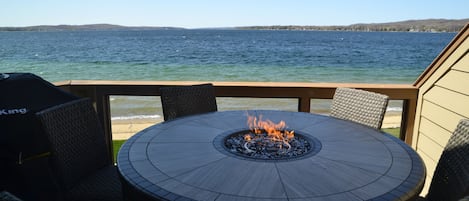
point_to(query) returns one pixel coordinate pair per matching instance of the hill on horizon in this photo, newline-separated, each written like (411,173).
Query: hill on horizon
(427,25)
(86,27)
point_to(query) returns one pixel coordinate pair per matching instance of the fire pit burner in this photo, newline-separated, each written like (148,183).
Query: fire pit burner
(261,146)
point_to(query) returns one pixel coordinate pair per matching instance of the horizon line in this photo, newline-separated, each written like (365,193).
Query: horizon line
(222,27)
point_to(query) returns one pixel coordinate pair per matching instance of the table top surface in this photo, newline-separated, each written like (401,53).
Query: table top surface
(182,159)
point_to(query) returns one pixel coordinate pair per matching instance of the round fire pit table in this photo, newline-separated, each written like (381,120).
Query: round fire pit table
(187,159)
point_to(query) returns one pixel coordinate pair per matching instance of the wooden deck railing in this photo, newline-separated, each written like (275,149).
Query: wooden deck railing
(99,92)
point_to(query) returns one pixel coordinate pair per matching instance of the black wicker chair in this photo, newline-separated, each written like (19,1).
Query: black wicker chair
(450,180)
(364,107)
(179,101)
(80,157)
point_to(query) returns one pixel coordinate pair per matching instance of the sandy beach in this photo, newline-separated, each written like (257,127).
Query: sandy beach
(123,129)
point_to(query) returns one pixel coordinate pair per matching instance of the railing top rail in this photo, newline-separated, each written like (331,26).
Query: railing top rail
(236,84)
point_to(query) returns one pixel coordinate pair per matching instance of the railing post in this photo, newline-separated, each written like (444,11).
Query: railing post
(409,107)
(103,108)
(304,104)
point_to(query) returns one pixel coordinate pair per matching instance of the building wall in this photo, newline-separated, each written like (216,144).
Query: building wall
(443,101)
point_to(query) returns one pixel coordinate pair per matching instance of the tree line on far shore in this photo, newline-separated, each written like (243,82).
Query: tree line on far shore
(431,25)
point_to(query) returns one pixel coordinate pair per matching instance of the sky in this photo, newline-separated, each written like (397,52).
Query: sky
(224,13)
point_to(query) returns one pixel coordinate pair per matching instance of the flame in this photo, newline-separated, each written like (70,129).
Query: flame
(247,138)
(275,131)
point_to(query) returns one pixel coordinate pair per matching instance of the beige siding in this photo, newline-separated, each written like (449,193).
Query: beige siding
(430,148)
(456,61)
(430,165)
(449,99)
(455,80)
(443,101)
(441,116)
(431,127)
(463,64)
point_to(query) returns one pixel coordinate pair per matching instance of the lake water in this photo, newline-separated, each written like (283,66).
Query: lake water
(220,55)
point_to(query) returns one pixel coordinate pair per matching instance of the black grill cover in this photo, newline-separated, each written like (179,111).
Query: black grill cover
(24,168)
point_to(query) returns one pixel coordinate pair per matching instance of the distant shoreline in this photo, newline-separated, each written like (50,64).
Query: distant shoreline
(87,27)
(428,25)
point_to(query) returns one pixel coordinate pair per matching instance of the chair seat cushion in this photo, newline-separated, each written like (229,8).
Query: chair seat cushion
(104,185)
